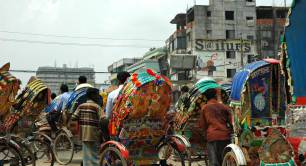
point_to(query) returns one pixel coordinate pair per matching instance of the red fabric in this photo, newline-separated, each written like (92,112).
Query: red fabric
(301,100)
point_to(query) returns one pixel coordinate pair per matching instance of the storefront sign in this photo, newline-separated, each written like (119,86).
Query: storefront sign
(223,45)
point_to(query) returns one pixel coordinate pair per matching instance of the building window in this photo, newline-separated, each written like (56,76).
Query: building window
(230,55)
(229,15)
(249,18)
(266,34)
(209,33)
(250,37)
(208,13)
(230,34)
(249,0)
(230,73)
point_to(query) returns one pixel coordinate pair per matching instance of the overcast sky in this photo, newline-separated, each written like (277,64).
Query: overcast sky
(112,19)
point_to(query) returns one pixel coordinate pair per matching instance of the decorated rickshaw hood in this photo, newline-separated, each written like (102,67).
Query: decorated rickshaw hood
(242,76)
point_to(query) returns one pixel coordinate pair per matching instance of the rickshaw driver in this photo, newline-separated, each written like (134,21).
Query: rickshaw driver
(111,98)
(215,120)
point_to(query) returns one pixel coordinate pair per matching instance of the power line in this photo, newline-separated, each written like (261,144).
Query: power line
(67,72)
(69,43)
(80,37)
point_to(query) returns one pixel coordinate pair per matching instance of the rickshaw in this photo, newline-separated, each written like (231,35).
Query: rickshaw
(293,60)
(138,126)
(9,86)
(21,118)
(186,119)
(258,98)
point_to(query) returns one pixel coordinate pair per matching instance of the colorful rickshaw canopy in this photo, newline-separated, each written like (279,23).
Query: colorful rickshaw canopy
(241,76)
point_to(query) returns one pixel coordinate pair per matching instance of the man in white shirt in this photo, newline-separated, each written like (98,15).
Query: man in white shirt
(111,99)
(83,83)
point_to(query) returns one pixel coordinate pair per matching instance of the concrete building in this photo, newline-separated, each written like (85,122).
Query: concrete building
(155,58)
(55,76)
(220,35)
(120,66)
(270,26)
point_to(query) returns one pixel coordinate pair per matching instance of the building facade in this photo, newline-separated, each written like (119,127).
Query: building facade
(221,36)
(55,76)
(155,58)
(269,28)
(120,66)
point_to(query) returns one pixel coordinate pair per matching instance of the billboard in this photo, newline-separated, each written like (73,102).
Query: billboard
(210,62)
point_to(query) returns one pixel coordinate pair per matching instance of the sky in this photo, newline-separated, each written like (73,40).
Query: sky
(85,33)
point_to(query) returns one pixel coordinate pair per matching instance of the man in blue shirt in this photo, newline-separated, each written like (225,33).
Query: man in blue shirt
(56,107)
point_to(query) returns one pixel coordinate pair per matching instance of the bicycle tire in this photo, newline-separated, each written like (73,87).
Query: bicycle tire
(45,143)
(15,150)
(25,150)
(57,144)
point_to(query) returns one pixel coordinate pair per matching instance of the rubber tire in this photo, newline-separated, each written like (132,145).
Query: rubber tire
(48,145)
(54,148)
(26,148)
(116,151)
(181,156)
(17,152)
(229,154)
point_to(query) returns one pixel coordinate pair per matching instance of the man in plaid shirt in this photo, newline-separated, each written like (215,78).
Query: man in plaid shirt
(89,115)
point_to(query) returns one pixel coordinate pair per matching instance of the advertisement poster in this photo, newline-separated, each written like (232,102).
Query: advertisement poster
(210,61)
(259,85)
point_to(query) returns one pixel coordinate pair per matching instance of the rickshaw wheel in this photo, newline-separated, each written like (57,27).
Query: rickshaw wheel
(42,148)
(10,155)
(230,159)
(170,155)
(63,149)
(111,156)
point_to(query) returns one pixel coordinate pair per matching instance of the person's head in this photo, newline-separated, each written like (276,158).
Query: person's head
(64,88)
(122,77)
(93,94)
(53,96)
(184,89)
(211,94)
(82,80)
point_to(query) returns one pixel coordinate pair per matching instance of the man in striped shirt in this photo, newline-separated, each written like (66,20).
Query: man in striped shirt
(89,115)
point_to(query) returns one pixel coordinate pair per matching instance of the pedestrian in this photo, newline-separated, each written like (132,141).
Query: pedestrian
(83,83)
(89,115)
(215,119)
(112,96)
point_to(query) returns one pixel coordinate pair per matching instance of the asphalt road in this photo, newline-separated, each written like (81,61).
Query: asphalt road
(77,159)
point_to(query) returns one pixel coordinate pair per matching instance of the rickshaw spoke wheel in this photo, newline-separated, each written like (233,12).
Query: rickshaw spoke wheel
(169,155)
(63,149)
(111,156)
(230,159)
(10,155)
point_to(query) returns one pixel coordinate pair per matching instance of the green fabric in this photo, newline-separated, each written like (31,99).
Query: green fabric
(289,163)
(205,85)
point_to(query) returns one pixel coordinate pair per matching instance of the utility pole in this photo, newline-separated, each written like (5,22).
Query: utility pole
(241,50)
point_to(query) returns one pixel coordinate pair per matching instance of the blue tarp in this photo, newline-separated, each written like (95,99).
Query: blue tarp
(241,77)
(296,43)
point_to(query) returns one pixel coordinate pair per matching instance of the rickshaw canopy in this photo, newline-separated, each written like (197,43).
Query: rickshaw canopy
(242,76)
